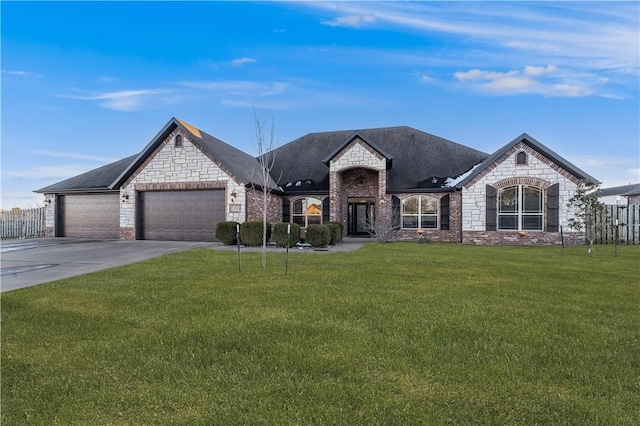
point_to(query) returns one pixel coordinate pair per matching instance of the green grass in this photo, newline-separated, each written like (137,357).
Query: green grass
(390,334)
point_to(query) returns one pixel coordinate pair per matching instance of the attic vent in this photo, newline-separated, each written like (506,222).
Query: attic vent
(521,158)
(178,141)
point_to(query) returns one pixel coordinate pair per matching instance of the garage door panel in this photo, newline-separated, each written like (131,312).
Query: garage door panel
(180,215)
(89,216)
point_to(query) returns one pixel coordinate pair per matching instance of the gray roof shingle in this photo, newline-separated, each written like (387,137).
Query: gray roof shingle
(525,138)
(94,180)
(624,190)
(417,157)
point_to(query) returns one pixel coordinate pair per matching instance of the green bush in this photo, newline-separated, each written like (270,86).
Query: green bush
(336,232)
(318,235)
(226,233)
(251,233)
(341,226)
(279,234)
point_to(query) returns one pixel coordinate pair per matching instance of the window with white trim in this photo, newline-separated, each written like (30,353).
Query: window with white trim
(306,211)
(520,208)
(420,211)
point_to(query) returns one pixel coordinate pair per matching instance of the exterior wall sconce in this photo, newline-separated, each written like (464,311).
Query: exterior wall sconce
(124,198)
(233,197)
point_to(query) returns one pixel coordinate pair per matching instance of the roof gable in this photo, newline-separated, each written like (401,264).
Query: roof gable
(490,161)
(239,165)
(358,135)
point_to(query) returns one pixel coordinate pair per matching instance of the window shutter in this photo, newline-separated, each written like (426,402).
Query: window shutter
(285,209)
(395,211)
(491,212)
(326,205)
(444,213)
(553,207)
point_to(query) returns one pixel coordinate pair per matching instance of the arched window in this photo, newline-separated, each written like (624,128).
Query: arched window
(178,141)
(306,211)
(420,211)
(520,208)
(521,158)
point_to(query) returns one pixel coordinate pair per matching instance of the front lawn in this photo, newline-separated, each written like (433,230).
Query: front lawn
(400,333)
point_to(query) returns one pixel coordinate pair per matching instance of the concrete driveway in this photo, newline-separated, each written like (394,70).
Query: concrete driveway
(25,263)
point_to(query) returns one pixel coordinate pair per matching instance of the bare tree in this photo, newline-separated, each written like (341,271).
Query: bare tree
(383,227)
(263,183)
(590,215)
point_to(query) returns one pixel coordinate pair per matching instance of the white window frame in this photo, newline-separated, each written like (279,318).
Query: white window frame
(420,215)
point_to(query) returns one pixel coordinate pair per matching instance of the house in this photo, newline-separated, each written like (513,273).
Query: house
(185,181)
(620,195)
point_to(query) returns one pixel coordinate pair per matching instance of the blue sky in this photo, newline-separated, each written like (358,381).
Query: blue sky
(84,84)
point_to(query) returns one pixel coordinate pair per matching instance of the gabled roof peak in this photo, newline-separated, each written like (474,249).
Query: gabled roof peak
(358,134)
(533,143)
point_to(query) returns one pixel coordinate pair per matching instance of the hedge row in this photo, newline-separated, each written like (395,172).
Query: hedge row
(251,233)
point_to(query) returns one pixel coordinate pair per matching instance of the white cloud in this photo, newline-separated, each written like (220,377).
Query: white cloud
(75,155)
(538,71)
(21,199)
(545,81)
(123,100)
(58,172)
(513,33)
(611,170)
(428,79)
(17,73)
(240,87)
(242,61)
(354,21)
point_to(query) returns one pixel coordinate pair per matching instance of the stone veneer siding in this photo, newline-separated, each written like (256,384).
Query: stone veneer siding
(539,171)
(173,168)
(357,171)
(50,216)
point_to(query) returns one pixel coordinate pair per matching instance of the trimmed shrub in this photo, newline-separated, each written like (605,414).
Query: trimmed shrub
(226,233)
(336,232)
(341,225)
(318,235)
(279,234)
(251,233)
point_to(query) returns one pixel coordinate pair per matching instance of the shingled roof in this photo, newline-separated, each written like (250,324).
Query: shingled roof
(98,179)
(539,147)
(241,166)
(625,190)
(238,164)
(418,158)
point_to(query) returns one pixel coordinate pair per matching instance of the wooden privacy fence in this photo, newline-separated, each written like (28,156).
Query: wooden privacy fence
(626,218)
(19,223)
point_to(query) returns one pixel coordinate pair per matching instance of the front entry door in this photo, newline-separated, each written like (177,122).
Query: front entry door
(360,214)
